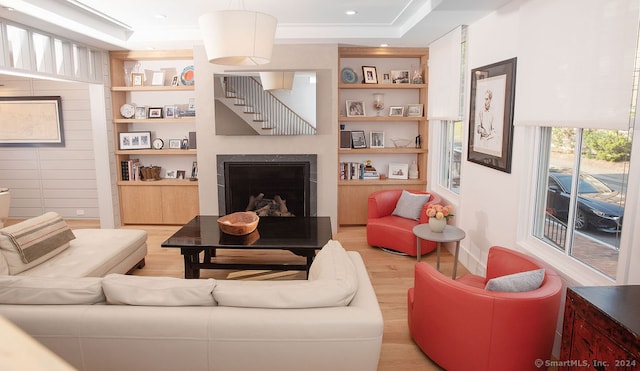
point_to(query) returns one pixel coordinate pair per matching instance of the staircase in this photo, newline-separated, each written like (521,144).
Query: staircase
(263,111)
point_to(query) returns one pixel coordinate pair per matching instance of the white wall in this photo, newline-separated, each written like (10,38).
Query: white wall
(321,58)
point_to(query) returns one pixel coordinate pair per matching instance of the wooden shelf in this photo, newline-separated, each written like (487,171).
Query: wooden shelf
(172,152)
(155,121)
(161,182)
(381,119)
(154,88)
(394,151)
(398,182)
(381,86)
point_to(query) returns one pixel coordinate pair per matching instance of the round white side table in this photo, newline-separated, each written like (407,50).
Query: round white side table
(449,234)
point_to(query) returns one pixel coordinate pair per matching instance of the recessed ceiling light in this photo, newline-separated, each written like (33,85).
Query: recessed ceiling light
(384,45)
(350,12)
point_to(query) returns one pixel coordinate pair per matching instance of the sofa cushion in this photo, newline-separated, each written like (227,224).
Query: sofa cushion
(410,204)
(59,291)
(332,282)
(4,267)
(517,282)
(158,291)
(29,243)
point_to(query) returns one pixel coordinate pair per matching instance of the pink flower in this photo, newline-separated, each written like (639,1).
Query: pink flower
(439,212)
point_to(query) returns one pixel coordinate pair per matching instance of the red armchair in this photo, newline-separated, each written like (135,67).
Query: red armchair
(462,326)
(394,232)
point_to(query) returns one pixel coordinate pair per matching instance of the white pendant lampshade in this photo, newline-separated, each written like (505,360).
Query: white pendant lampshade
(277,80)
(238,37)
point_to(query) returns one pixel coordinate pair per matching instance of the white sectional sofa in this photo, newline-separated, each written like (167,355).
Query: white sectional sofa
(331,321)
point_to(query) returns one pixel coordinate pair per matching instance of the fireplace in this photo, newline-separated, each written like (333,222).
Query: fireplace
(292,178)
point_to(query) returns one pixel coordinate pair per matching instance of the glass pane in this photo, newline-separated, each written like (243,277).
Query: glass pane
(451,155)
(43,52)
(586,192)
(18,47)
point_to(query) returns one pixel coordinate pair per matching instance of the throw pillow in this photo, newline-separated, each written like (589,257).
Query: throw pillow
(410,204)
(29,243)
(42,290)
(517,282)
(158,291)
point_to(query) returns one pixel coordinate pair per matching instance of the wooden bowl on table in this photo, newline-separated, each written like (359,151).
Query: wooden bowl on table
(240,223)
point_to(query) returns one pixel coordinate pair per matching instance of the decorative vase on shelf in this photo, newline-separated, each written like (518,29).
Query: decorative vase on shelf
(413,170)
(437,225)
(378,102)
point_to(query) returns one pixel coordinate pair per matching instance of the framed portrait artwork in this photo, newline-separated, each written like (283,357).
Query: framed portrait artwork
(358,140)
(140,112)
(400,76)
(491,115)
(134,140)
(376,139)
(397,111)
(137,79)
(355,108)
(169,111)
(369,75)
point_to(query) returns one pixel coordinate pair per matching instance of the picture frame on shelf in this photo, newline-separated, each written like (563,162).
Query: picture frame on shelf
(491,115)
(180,174)
(141,112)
(355,108)
(345,139)
(398,171)
(376,139)
(157,79)
(415,110)
(175,80)
(386,78)
(169,111)
(400,76)
(358,139)
(369,75)
(171,174)
(396,111)
(155,112)
(194,170)
(175,143)
(128,140)
(137,79)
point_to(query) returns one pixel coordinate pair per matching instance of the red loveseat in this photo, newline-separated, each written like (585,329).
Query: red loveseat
(394,232)
(462,326)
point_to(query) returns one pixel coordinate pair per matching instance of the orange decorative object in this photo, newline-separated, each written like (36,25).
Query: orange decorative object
(240,223)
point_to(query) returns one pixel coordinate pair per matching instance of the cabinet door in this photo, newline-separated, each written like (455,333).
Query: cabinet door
(179,204)
(141,204)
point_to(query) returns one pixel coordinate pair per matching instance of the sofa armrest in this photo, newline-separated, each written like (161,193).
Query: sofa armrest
(502,261)
(382,203)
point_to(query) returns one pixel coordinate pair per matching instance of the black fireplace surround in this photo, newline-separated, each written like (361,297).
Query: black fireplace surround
(292,177)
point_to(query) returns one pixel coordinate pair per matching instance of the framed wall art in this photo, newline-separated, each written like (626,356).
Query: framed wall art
(400,76)
(398,171)
(175,143)
(414,110)
(355,108)
(358,140)
(135,140)
(397,111)
(491,115)
(31,121)
(369,75)
(155,112)
(376,139)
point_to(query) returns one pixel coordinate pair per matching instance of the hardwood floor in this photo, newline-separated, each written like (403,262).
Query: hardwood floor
(391,276)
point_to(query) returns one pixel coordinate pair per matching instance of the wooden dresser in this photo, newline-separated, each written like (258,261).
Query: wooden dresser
(601,329)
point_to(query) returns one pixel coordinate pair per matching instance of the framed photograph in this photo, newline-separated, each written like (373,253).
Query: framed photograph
(171,174)
(155,112)
(175,80)
(137,79)
(31,121)
(400,76)
(355,108)
(414,110)
(386,78)
(157,78)
(345,139)
(141,112)
(169,112)
(396,111)
(358,140)
(134,140)
(369,75)
(376,139)
(398,171)
(194,170)
(491,115)
(180,174)
(175,143)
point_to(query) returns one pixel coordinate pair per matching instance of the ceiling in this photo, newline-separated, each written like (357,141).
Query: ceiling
(170,24)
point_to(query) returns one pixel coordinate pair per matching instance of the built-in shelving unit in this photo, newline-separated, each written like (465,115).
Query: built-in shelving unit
(166,200)
(353,193)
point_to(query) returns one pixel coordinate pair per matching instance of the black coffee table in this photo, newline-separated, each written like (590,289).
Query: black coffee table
(300,235)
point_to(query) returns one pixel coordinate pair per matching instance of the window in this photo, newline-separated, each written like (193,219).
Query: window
(451,155)
(18,47)
(581,192)
(43,52)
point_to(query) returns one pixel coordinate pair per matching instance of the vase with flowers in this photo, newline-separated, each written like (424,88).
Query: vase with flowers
(438,216)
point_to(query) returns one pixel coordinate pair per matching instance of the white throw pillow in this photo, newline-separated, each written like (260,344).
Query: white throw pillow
(33,241)
(410,204)
(158,291)
(517,282)
(43,290)
(332,283)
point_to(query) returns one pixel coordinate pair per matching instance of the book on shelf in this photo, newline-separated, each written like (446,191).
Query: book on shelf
(352,170)
(130,169)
